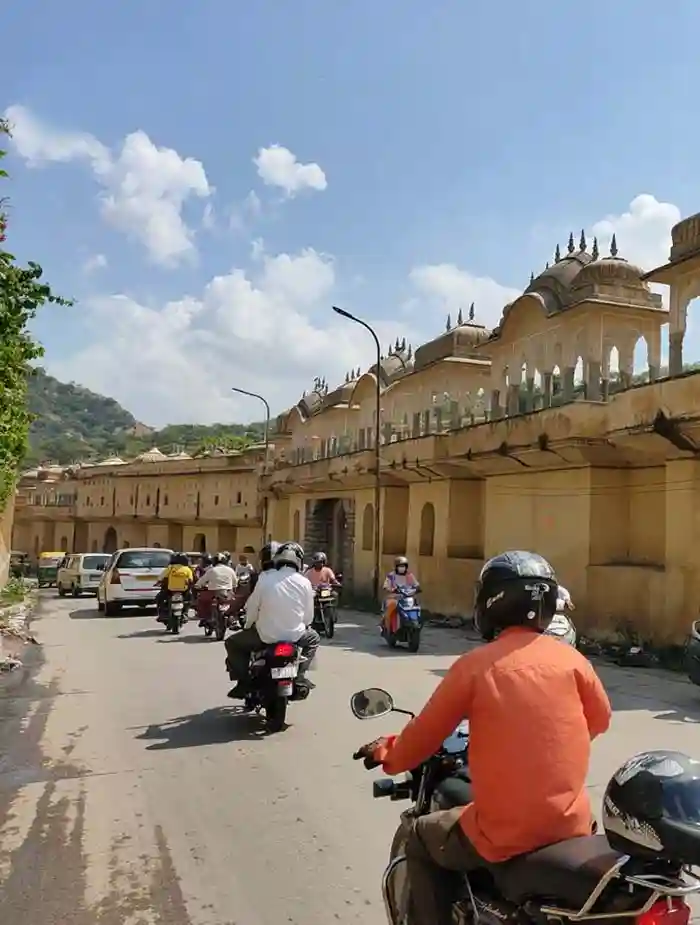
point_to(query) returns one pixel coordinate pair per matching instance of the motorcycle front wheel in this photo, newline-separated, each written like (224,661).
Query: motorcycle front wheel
(414,641)
(328,622)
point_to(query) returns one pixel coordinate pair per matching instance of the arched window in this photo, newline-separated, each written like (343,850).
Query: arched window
(296,528)
(64,544)
(427,530)
(368,528)
(200,543)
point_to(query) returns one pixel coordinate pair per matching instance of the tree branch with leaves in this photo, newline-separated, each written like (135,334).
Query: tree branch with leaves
(22,294)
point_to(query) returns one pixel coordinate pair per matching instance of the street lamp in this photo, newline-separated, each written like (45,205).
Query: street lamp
(377,451)
(267,448)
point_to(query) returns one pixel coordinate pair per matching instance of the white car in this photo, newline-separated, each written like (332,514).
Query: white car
(81,572)
(131,579)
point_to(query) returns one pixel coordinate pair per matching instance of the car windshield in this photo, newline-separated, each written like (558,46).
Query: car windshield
(144,558)
(94,562)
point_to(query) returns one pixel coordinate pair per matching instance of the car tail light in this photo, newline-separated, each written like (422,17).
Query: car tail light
(285,649)
(116,578)
(669,911)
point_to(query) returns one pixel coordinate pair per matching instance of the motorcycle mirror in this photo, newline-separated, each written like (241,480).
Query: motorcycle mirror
(371,702)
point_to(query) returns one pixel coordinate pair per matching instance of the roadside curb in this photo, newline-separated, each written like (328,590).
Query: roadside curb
(14,636)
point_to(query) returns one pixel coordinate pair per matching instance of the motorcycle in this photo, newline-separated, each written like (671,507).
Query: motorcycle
(691,653)
(325,617)
(579,880)
(218,617)
(176,613)
(409,619)
(274,681)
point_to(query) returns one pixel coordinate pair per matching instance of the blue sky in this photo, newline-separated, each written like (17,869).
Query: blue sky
(448,147)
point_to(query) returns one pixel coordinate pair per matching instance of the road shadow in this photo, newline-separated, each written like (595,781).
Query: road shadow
(217,726)
(142,634)
(189,638)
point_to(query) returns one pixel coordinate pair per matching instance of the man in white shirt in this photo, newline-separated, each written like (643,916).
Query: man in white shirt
(244,568)
(280,609)
(220,578)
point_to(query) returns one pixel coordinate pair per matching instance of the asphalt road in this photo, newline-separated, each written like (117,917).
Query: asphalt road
(133,793)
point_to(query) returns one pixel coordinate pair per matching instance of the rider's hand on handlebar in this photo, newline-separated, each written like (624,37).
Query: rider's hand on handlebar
(369,753)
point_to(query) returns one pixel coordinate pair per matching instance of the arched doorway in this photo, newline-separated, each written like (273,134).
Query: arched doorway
(110,540)
(329,527)
(200,543)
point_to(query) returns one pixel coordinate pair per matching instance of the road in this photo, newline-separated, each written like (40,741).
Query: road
(132,793)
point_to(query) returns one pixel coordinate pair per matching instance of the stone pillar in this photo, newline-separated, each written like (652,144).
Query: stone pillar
(605,389)
(675,353)
(513,406)
(568,383)
(593,381)
(496,410)
(547,389)
(530,394)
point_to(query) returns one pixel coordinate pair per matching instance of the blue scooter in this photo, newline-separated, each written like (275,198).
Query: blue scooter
(409,618)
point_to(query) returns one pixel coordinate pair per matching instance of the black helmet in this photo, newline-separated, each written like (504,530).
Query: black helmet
(179,558)
(320,559)
(651,807)
(267,554)
(218,558)
(289,554)
(205,559)
(515,588)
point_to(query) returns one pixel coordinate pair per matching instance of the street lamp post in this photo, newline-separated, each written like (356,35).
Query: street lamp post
(267,449)
(377,452)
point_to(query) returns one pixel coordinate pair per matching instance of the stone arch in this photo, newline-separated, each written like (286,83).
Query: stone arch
(200,543)
(296,527)
(641,359)
(64,544)
(368,528)
(426,541)
(109,544)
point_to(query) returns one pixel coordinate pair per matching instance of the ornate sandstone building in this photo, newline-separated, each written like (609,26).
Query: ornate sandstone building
(521,436)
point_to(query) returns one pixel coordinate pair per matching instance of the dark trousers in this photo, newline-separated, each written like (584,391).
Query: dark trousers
(437,851)
(240,645)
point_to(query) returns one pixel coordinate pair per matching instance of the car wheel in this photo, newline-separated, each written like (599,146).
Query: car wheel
(75,591)
(112,609)
(100,605)
(61,591)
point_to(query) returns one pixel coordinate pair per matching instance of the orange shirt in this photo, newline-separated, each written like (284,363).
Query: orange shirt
(533,705)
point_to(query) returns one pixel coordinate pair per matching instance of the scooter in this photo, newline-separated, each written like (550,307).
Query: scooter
(408,619)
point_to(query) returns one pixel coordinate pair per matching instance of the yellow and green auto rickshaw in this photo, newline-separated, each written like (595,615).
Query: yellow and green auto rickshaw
(48,568)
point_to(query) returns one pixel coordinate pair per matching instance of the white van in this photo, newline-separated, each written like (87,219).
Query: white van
(81,572)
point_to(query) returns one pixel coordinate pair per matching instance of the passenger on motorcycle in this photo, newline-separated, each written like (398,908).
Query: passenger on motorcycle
(533,707)
(280,609)
(220,578)
(177,578)
(245,568)
(320,572)
(400,577)
(203,597)
(267,556)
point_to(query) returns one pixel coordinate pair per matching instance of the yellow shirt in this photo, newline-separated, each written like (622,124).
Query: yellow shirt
(179,577)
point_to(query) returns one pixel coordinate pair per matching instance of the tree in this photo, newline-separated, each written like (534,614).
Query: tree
(21,296)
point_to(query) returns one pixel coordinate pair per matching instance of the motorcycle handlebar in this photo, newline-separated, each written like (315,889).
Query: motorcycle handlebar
(369,761)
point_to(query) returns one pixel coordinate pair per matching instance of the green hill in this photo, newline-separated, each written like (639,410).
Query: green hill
(74,424)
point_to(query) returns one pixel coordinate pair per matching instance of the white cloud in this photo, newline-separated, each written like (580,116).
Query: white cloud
(177,361)
(95,262)
(277,166)
(643,232)
(448,287)
(144,187)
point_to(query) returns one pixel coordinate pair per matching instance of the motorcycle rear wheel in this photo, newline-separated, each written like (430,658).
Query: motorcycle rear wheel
(220,627)
(276,714)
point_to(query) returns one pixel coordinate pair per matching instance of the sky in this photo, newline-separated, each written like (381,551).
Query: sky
(207,179)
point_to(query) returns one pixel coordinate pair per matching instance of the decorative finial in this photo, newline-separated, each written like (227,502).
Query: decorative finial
(582,243)
(397,345)
(390,350)
(403,344)
(410,351)
(595,253)
(347,378)
(546,266)
(557,254)
(471,312)
(532,276)
(571,247)
(448,323)
(460,319)
(613,246)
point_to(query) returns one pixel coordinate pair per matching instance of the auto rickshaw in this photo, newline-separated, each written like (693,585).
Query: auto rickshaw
(47,570)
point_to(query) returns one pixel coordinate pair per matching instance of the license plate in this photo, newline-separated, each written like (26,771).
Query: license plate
(287,671)
(150,578)
(325,593)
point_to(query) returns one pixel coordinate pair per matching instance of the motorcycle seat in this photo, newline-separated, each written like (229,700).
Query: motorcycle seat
(567,871)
